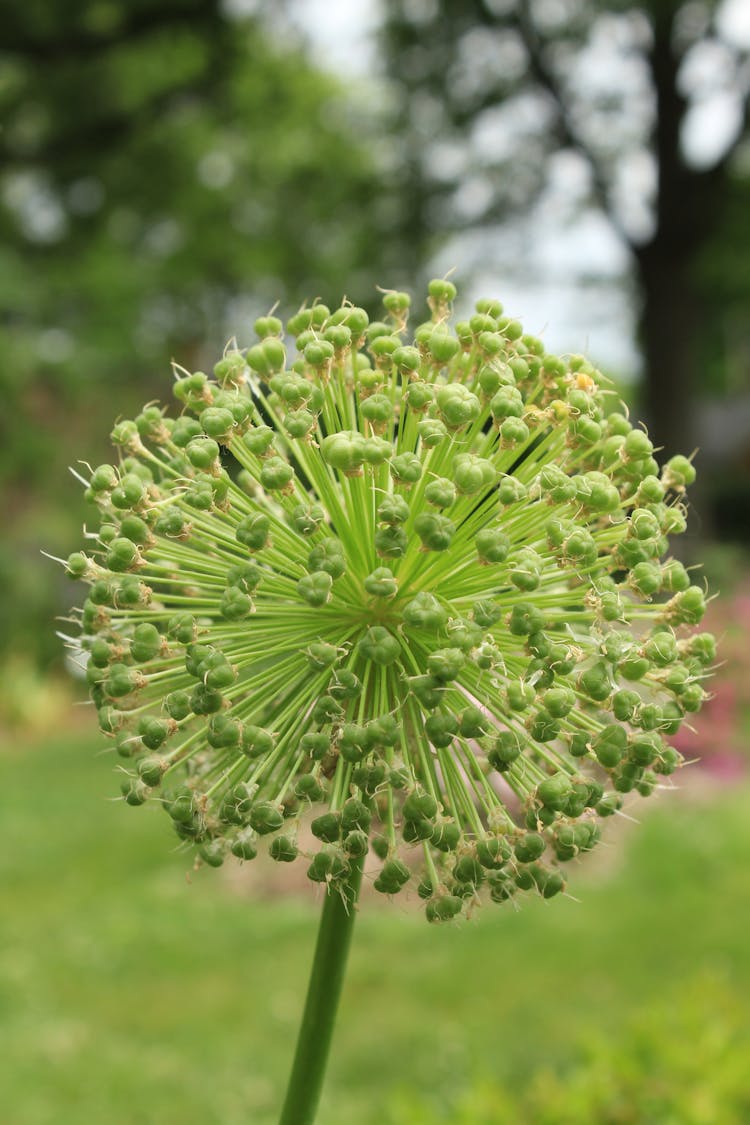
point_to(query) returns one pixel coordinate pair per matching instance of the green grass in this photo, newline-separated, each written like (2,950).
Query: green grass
(129,993)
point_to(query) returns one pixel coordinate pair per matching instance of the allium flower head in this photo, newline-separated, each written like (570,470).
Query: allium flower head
(411,588)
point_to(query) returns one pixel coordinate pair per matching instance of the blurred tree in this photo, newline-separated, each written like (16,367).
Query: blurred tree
(492,93)
(167,168)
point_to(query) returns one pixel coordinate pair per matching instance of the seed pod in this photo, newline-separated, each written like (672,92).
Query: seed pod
(315,588)
(390,542)
(440,492)
(380,646)
(505,750)
(146,643)
(256,742)
(457,406)
(473,474)
(443,909)
(327,556)
(316,744)
(445,836)
(435,531)
(554,791)
(393,510)
(253,530)
(381,583)
(609,745)
(529,847)
(265,817)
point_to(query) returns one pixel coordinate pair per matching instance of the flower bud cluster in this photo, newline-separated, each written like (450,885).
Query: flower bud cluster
(412,588)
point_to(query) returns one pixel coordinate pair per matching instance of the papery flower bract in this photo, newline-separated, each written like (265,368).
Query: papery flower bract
(416,586)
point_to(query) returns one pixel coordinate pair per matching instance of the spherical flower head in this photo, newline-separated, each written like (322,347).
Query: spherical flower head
(409,588)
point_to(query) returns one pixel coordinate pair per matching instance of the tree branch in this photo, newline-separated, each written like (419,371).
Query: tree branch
(571,136)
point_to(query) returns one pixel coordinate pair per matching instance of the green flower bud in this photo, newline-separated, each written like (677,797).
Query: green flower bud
(505,750)
(507,403)
(678,473)
(235,604)
(472,723)
(519,695)
(393,510)
(431,432)
(554,791)
(425,612)
(315,588)
(486,613)
(703,647)
(390,542)
(511,491)
(443,909)
(492,545)
(441,292)
(595,681)
(393,876)
(283,849)
(458,407)
(473,474)
(445,664)
(258,440)
(205,700)
(265,818)
(525,618)
(256,742)
(406,468)
(435,531)
(104,479)
(440,492)
(559,702)
(146,643)
(687,607)
(276,474)
(529,847)
(595,492)
(327,827)
(525,573)
(377,409)
(442,346)
(355,742)
(441,728)
(646,578)
(609,745)
(327,556)
(316,744)
(427,690)
(344,451)
(381,583)
(406,359)
(624,704)
(379,645)
(252,531)
(418,397)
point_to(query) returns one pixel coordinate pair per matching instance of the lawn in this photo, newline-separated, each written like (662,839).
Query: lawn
(134,991)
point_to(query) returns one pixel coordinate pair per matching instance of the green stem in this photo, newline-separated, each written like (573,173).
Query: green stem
(324,990)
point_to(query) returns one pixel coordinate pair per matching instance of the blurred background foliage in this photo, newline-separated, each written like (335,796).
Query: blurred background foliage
(169,169)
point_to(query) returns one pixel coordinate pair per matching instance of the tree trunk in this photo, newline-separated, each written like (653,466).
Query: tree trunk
(667,315)
(668,322)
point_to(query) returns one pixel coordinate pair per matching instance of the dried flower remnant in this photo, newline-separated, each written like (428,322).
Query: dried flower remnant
(413,586)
